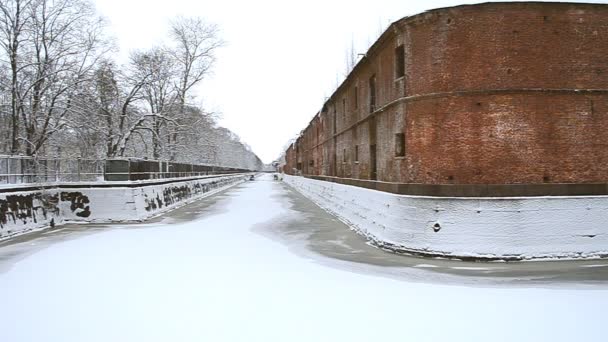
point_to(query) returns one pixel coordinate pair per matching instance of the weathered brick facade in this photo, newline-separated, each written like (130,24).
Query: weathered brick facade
(495,93)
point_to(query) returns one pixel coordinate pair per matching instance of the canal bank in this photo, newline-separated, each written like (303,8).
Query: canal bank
(24,208)
(476,228)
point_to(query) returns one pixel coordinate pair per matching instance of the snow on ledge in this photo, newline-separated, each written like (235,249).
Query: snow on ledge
(497,228)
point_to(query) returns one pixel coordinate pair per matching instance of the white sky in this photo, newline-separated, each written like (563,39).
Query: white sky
(281,60)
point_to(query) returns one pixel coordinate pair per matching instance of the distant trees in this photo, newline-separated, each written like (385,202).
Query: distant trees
(62,95)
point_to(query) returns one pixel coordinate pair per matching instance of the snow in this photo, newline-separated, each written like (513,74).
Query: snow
(100,181)
(507,227)
(216,278)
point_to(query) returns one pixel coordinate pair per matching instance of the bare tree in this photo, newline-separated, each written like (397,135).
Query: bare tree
(61,94)
(159,92)
(52,48)
(112,98)
(194,45)
(13,20)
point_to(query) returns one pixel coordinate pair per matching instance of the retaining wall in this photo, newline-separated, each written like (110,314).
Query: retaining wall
(507,228)
(27,208)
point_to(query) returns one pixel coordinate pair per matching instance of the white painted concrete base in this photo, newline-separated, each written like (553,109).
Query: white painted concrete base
(24,211)
(482,228)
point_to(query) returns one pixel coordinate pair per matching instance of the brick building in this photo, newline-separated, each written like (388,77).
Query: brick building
(493,93)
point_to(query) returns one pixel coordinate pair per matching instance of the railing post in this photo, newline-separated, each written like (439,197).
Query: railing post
(8,170)
(78,167)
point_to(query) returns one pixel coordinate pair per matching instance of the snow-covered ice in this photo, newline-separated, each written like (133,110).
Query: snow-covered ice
(219,277)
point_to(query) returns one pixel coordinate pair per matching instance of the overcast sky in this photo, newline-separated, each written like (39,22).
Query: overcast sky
(281,60)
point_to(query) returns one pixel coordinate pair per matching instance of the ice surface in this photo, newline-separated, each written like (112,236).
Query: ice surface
(215,279)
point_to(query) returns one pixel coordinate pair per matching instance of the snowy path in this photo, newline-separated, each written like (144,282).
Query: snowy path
(242,267)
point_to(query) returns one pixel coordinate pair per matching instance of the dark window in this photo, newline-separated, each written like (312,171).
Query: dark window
(344,110)
(356,97)
(335,164)
(399,61)
(311,163)
(356,153)
(372,94)
(335,121)
(400,145)
(373,167)
(344,155)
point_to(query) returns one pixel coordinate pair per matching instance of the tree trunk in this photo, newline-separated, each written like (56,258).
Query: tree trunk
(15,101)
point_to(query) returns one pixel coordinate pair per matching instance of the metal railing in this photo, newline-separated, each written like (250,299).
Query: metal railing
(24,170)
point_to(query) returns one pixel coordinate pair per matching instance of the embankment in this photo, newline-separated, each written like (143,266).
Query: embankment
(25,208)
(480,228)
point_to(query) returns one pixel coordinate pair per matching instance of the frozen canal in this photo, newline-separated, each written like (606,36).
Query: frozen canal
(261,263)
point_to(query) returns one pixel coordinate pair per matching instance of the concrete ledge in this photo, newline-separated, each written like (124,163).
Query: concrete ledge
(479,228)
(104,184)
(30,208)
(474,190)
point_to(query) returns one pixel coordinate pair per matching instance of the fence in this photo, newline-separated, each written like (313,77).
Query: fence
(19,169)
(138,169)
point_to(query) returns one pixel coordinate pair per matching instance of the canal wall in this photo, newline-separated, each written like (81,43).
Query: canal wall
(27,208)
(484,228)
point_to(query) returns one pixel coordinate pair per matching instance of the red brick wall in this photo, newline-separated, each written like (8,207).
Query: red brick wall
(508,45)
(514,138)
(495,93)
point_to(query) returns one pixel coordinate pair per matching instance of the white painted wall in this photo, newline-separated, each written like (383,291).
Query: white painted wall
(118,203)
(517,227)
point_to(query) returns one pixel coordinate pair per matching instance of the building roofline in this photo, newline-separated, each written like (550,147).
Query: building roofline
(391,29)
